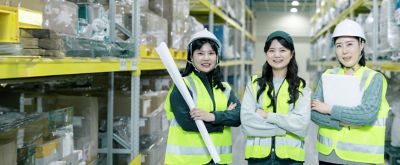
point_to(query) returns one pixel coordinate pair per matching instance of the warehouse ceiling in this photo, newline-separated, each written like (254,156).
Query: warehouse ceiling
(305,6)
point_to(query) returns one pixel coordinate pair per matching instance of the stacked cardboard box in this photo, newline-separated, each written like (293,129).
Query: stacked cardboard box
(179,24)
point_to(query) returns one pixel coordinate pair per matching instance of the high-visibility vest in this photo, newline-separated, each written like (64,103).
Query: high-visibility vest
(357,143)
(286,146)
(185,147)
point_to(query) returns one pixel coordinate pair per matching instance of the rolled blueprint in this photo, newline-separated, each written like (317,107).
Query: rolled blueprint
(173,71)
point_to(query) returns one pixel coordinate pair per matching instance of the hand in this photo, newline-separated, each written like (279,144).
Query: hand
(198,114)
(262,113)
(321,107)
(231,106)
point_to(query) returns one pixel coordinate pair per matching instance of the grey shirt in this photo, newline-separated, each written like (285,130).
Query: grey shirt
(364,114)
(296,121)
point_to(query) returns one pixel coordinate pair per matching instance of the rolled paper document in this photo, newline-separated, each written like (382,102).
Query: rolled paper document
(173,71)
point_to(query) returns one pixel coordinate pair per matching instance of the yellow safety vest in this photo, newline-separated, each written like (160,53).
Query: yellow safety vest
(185,147)
(357,143)
(286,146)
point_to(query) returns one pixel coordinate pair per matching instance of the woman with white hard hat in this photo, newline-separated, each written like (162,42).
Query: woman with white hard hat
(352,135)
(275,111)
(216,105)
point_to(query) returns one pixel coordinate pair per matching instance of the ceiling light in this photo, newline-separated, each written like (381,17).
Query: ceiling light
(293,10)
(295,3)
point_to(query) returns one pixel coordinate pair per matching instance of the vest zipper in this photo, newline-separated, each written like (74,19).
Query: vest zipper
(274,101)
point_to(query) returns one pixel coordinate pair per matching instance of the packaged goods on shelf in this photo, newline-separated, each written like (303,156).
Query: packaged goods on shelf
(176,12)
(28,4)
(155,155)
(10,49)
(72,46)
(195,25)
(26,155)
(47,152)
(8,150)
(390,32)
(85,122)
(249,50)
(92,21)
(225,35)
(60,16)
(366,21)
(154,28)
(397,13)
(149,102)
(151,128)
(340,5)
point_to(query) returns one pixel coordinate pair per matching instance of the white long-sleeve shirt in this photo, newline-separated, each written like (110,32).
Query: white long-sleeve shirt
(296,121)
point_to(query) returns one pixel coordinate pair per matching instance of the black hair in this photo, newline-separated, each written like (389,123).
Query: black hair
(362,61)
(214,75)
(291,76)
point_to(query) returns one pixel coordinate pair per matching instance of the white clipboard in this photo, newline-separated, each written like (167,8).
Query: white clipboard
(343,90)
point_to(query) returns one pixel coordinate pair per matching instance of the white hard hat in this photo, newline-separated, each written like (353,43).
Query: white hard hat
(205,34)
(348,28)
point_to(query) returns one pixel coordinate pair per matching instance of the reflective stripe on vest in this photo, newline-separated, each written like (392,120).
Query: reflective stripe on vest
(357,143)
(351,147)
(287,146)
(185,147)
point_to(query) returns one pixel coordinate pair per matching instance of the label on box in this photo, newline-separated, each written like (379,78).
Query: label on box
(122,64)
(134,64)
(146,106)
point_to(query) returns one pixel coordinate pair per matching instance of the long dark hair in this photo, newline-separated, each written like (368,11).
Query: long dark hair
(291,76)
(215,75)
(362,60)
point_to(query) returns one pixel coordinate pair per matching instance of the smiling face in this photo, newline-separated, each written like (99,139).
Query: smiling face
(278,57)
(205,58)
(348,51)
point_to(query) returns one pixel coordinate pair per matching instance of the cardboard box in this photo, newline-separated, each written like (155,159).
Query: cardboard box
(8,150)
(149,102)
(61,16)
(156,154)
(37,5)
(85,131)
(47,152)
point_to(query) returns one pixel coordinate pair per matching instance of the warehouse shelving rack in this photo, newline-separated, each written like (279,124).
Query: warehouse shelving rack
(206,11)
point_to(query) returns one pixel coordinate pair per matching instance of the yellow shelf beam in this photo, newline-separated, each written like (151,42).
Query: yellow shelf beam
(35,66)
(339,18)
(210,7)
(156,64)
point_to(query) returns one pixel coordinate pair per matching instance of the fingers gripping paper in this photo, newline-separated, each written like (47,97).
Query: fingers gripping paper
(173,71)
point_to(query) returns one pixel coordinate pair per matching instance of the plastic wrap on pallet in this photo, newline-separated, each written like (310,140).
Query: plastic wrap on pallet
(390,32)
(93,21)
(176,12)
(249,50)
(10,49)
(397,13)
(60,16)
(154,28)
(83,47)
(196,26)
(28,4)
